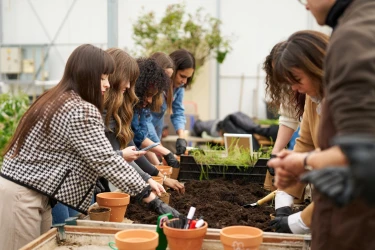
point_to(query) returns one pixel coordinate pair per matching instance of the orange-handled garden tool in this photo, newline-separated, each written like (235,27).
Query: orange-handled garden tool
(260,202)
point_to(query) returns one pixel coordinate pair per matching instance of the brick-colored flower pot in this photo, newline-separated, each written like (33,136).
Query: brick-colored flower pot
(185,239)
(118,203)
(241,237)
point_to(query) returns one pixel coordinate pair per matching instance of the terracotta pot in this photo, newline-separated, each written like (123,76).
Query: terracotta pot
(165,170)
(185,239)
(165,197)
(118,203)
(158,179)
(100,213)
(139,239)
(175,172)
(241,237)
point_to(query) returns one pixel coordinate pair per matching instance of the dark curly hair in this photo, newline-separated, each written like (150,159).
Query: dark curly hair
(281,93)
(151,81)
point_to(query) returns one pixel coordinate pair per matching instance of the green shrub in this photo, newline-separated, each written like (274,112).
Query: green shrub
(200,34)
(11,110)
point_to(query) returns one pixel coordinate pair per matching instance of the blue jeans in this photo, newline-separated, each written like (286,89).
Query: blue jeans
(60,213)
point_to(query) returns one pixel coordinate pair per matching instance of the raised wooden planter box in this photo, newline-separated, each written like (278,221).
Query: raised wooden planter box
(191,170)
(95,235)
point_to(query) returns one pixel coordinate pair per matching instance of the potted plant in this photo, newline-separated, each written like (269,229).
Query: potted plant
(198,33)
(214,163)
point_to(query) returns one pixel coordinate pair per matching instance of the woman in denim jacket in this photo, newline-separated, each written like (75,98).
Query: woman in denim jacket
(149,87)
(181,76)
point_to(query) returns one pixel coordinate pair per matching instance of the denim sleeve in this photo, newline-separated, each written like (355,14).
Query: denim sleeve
(139,126)
(144,164)
(152,135)
(178,117)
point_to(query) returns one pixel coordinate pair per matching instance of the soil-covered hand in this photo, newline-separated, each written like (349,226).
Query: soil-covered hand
(160,207)
(334,182)
(157,187)
(280,224)
(131,153)
(181,145)
(175,185)
(171,160)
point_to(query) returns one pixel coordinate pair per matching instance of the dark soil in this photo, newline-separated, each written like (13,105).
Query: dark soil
(99,210)
(219,201)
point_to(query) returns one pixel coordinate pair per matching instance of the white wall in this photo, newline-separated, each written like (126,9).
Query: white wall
(255,26)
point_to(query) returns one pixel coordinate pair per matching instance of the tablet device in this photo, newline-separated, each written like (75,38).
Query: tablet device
(150,147)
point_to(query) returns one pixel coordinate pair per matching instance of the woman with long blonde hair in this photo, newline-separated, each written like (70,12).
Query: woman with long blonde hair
(119,102)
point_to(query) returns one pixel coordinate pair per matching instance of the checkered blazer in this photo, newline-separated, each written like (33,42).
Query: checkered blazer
(66,164)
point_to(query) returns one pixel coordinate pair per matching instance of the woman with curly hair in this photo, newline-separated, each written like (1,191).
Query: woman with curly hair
(151,83)
(119,102)
(296,65)
(157,121)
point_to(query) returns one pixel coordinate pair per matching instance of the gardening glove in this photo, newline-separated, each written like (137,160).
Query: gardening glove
(280,224)
(283,211)
(342,184)
(99,188)
(160,207)
(271,170)
(334,182)
(360,151)
(181,145)
(171,160)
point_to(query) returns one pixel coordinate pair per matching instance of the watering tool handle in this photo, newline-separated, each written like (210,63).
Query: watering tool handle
(112,245)
(267,198)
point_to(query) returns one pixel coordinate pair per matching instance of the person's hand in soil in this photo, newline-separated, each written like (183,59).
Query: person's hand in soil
(131,153)
(157,187)
(175,185)
(160,207)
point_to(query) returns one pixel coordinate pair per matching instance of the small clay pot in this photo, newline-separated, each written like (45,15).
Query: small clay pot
(165,170)
(185,239)
(175,172)
(158,179)
(165,197)
(137,239)
(241,237)
(100,213)
(118,203)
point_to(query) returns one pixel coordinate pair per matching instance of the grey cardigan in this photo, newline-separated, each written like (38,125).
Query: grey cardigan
(111,135)
(66,164)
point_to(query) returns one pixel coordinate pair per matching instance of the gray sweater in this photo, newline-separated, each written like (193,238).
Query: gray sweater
(111,135)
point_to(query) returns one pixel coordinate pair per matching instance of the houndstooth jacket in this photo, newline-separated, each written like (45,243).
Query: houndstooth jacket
(66,164)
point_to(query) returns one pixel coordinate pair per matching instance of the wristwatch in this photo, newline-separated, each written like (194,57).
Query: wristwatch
(305,165)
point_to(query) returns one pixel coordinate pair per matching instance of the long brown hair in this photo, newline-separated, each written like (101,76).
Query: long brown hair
(165,62)
(119,105)
(82,75)
(183,59)
(304,50)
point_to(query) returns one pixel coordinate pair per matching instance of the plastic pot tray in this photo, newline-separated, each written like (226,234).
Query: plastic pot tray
(191,170)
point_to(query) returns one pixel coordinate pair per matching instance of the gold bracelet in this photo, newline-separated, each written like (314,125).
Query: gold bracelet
(164,178)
